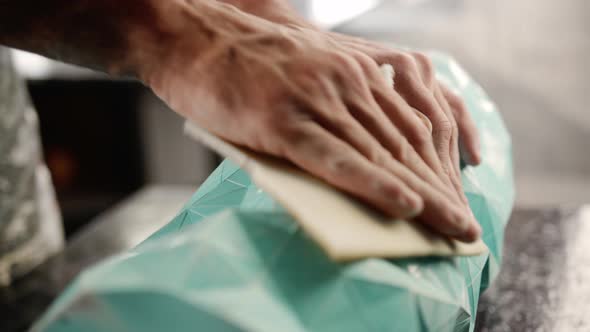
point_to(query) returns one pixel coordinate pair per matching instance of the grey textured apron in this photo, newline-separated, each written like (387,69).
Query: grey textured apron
(30,224)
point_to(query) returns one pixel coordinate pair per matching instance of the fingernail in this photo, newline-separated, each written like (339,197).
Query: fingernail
(474,231)
(462,222)
(464,225)
(472,234)
(470,155)
(466,201)
(476,154)
(473,159)
(477,230)
(478,158)
(469,158)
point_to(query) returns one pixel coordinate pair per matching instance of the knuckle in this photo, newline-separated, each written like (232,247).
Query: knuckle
(427,123)
(405,62)
(341,125)
(454,126)
(413,159)
(293,133)
(400,150)
(444,126)
(424,120)
(349,73)
(426,68)
(290,124)
(422,59)
(343,60)
(312,83)
(391,190)
(465,123)
(338,164)
(305,73)
(459,105)
(365,61)
(419,56)
(459,109)
(449,213)
(354,70)
(376,156)
(451,95)
(421,138)
(444,129)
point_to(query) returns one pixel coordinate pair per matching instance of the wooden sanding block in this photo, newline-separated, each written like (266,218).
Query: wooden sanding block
(343,227)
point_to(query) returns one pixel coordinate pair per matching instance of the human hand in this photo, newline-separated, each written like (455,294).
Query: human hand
(292,94)
(452,125)
(411,65)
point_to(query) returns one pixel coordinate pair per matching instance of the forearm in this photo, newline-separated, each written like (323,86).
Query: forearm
(108,35)
(277,11)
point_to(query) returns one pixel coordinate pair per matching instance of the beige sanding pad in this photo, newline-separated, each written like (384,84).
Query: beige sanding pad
(343,227)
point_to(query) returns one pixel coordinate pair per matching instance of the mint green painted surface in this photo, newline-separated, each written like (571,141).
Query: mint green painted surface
(234,260)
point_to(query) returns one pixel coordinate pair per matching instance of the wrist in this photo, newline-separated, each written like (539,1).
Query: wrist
(152,42)
(184,33)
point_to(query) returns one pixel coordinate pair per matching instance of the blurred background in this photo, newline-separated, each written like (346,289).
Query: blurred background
(104,139)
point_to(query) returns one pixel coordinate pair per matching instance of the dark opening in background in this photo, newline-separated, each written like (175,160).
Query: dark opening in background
(91,142)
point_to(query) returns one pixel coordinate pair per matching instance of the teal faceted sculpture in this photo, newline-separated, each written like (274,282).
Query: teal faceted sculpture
(234,260)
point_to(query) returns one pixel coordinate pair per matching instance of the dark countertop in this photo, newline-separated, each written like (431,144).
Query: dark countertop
(542,286)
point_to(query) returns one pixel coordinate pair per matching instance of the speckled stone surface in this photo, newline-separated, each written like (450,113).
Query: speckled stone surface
(544,284)
(118,229)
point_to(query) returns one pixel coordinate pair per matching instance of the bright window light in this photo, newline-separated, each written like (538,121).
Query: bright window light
(328,13)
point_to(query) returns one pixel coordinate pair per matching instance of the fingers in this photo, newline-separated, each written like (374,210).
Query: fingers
(404,117)
(417,83)
(425,121)
(432,145)
(454,142)
(411,86)
(368,112)
(468,134)
(440,213)
(365,109)
(414,81)
(454,166)
(442,117)
(411,79)
(350,142)
(314,149)
(362,125)
(354,161)
(389,74)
